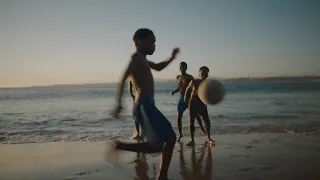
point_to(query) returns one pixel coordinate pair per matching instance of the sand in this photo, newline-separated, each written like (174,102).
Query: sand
(240,156)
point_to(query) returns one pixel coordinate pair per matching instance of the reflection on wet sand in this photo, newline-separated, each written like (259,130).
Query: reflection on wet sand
(142,167)
(195,171)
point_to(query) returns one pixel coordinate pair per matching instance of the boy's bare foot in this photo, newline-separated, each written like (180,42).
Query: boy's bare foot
(210,141)
(191,143)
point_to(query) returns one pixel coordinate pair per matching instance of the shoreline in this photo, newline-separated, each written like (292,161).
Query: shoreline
(245,156)
(300,129)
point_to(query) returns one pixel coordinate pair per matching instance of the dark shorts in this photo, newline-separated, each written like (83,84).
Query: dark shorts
(155,126)
(182,106)
(197,107)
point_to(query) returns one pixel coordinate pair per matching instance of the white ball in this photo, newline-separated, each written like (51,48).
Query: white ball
(211,91)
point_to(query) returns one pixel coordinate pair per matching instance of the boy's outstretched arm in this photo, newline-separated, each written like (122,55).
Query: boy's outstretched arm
(175,91)
(160,66)
(187,90)
(130,69)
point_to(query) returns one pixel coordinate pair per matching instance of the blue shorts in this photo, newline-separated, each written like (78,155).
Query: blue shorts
(155,126)
(182,106)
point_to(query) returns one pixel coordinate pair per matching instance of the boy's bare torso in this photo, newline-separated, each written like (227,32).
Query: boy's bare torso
(142,78)
(195,86)
(183,82)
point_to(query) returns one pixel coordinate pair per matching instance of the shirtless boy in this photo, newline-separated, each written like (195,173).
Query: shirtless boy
(183,80)
(196,106)
(155,126)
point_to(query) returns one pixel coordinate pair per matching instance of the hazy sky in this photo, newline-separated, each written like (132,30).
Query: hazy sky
(78,41)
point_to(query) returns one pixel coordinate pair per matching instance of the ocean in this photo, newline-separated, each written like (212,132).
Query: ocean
(82,112)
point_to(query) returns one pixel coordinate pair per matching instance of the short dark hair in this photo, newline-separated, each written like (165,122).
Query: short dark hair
(141,33)
(204,68)
(183,63)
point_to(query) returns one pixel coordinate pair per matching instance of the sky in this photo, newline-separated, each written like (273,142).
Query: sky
(82,41)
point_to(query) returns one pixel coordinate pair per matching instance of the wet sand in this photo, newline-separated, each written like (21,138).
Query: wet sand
(240,156)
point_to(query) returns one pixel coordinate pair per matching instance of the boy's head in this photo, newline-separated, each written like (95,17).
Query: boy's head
(183,67)
(203,72)
(144,40)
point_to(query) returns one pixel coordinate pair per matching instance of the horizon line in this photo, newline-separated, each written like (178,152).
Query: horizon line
(315,77)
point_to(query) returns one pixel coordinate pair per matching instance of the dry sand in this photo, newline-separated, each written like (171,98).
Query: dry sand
(241,157)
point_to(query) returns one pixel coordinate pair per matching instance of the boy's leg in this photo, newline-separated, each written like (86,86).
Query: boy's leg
(166,156)
(137,126)
(166,150)
(198,118)
(162,127)
(179,120)
(111,155)
(157,129)
(181,108)
(137,134)
(138,147)
(192,114)
(205,115)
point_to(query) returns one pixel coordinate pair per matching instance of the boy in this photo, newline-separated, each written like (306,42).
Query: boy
(157,129)
(183,81)
(196,106)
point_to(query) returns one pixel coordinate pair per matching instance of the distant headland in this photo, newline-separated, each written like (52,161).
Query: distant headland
(257,79)
(278,78)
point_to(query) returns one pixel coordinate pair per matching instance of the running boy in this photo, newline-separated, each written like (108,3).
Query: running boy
(155,126)
(196,106)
